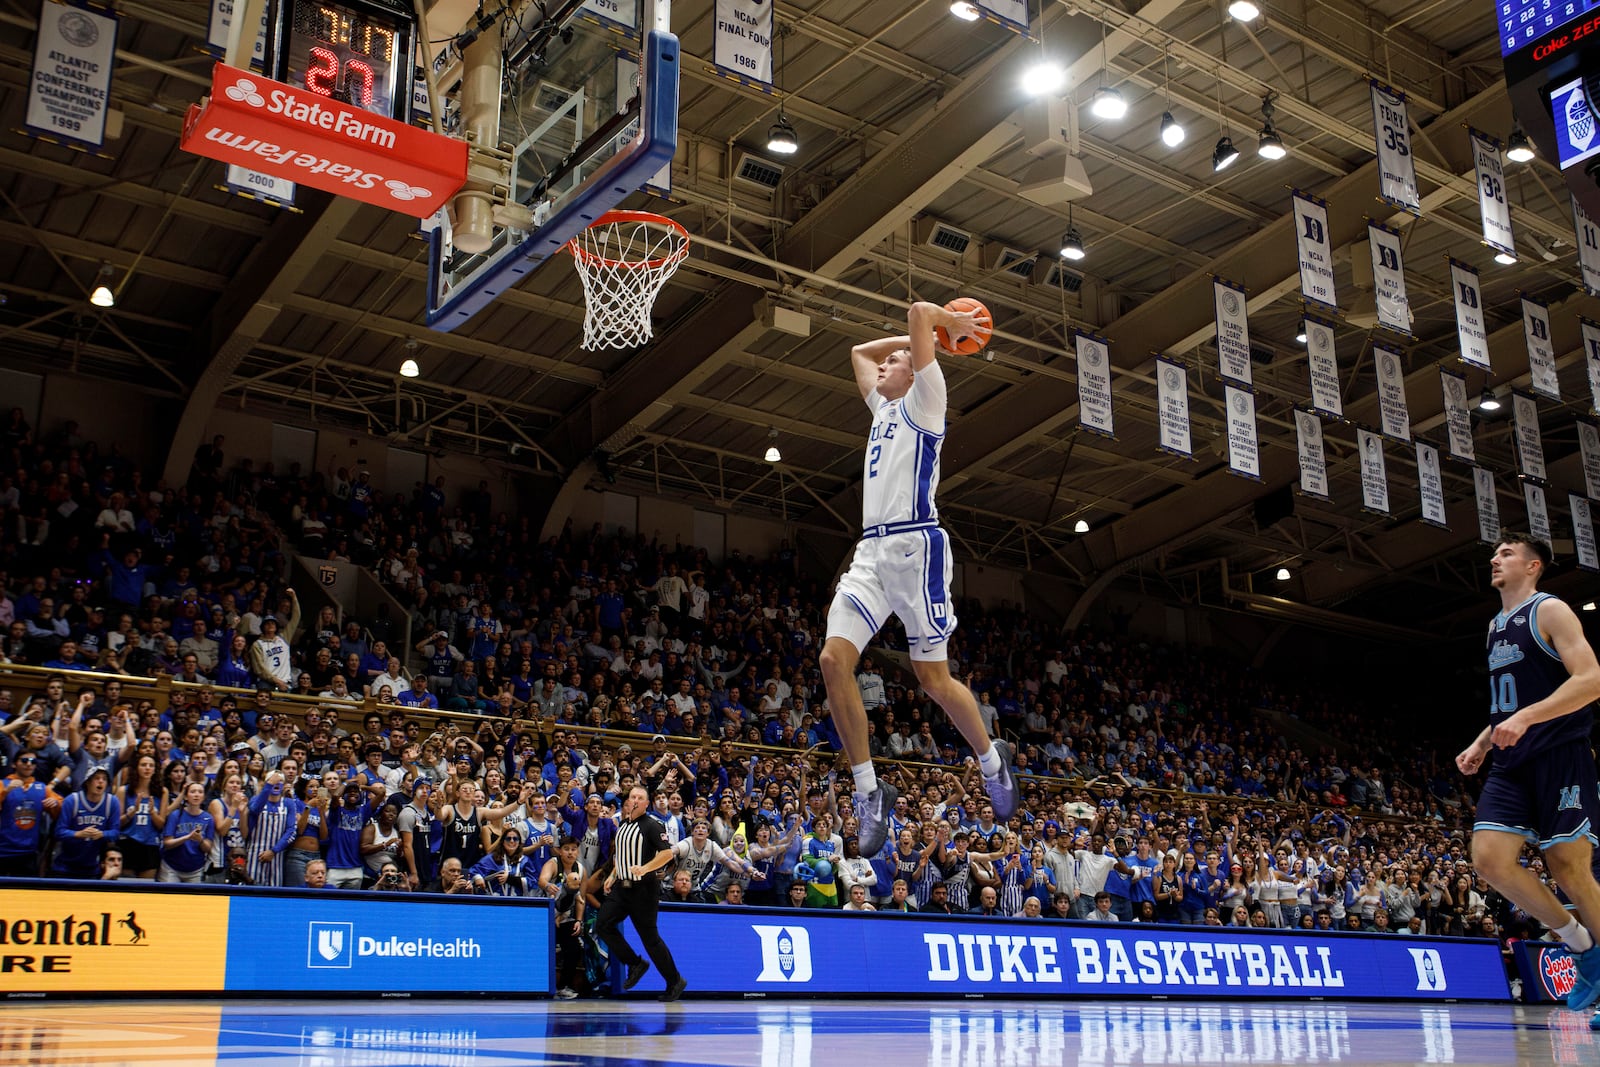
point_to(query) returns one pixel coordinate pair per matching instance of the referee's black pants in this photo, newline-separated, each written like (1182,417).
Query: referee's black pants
(638,901)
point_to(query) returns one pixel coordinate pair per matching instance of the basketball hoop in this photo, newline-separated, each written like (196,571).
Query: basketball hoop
(624,258)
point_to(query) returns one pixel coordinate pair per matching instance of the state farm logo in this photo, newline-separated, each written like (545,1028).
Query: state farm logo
(1557,971)
(402,191)
(244,91)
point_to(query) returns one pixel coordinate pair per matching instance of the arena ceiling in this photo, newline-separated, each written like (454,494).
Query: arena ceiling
(906,116)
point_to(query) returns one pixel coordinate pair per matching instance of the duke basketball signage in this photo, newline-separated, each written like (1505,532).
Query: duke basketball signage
(313,140)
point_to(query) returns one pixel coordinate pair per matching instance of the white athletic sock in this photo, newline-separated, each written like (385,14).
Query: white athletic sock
(1576,937)
(866,778)
(990,762)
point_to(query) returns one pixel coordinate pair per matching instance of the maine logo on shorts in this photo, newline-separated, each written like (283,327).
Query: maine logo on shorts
(332,945)
(785,953)
(1430,969)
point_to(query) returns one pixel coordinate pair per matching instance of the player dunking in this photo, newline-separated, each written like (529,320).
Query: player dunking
(902,563)
(1541,786)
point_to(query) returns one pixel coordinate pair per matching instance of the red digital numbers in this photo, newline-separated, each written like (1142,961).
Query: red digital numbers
(322,72)
(358,70)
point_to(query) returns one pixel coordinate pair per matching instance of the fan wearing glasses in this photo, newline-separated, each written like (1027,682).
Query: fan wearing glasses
(24,801)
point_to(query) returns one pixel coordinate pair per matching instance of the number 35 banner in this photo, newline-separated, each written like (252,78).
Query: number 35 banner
(69,90)
(744,39)
(1397,173)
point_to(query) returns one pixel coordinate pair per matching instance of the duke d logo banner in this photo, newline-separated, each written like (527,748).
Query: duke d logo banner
(1471,333)
(1316,251)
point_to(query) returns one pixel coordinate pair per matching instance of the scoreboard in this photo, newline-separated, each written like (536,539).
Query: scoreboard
(358,52)
(1551,52)
(1523,22)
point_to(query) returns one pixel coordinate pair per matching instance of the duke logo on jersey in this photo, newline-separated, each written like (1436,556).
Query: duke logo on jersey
(785,953)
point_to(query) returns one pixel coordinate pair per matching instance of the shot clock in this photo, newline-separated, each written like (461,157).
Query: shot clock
(358,52)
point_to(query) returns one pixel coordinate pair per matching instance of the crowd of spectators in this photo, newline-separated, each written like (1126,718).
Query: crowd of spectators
(1154,788)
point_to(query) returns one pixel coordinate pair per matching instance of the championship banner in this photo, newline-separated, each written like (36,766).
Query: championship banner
(1323,363)
(220,25)
(1538,511)
(1588,235)
(1388,279)
(1316,251)
(1431,485)
(1492,193)
(1488,506)
(1374,474)
(1012,14)
(1583,532)
(1457,417)
(1396,417)
(623,13)
(1094,384)
(69,89)
(1244,451)
(1233,332)
(1530,446)
(1591,360)
(1589,449)
(1172,399)
(1471,333)
(742,43)
(1313,459)
(1397,173)
(1542,377)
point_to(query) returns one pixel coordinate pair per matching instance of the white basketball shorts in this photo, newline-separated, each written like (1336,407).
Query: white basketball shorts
(907,574)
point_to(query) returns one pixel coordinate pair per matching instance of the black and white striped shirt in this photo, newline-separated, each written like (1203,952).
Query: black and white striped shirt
(636,843)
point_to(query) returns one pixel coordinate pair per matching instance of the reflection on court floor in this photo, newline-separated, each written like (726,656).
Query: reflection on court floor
(793,1034)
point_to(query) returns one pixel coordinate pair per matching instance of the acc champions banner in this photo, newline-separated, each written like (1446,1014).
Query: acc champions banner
(783,952)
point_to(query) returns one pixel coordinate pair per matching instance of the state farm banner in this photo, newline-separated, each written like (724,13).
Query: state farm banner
(1322,362)
(1471,333)
(1530,445)
(1392,393)
(1397,173)
(1374,472)
(1589,451)
(69,88)
(1094,384)
(1591,360)
(1457,415)
(1389,279)
(1172,400)
(1542,377)
(1233,332)
(1492,204)
(1315,249)
(1588,235)
(1244,451)
(271,128)
(1583,532)
(1488,506)
(1538,511)
(742,43)
(1431,485)
(1313,458)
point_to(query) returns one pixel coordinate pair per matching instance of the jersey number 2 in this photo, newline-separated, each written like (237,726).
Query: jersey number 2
(872,464)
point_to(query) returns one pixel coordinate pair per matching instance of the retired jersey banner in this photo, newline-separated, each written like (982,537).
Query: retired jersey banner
(220,26)
(1316,251)
(1389,279)
(1583,532)
(1374,473)
(1471,333)
(1397,173)
(1589,450)
(1591,360)
(1530,447)
(1244,451)
(1492,193)
(1488,506)
(1431,485)
(1094,384)
(1322,362)
(1313,459)
(1538,511)
(1233,332)
(69,90)
(1457,417)
(1392,393)
(1588,235)
(742,44)
(1542,377)
(1172,398)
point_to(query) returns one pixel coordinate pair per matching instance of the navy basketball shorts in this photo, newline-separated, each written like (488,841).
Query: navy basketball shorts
(1549,798)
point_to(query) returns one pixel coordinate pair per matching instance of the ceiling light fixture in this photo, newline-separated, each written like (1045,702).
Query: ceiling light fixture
(1045,76)
(1488,401)
(1300,335)
(1505,259)
(1224,155)
(1518,148)
(773,455)
(1108,102)
(1269,145)
(1588,605)
(1243,11)
(1072,240)
(1283,574)
(103,297)
(1081,526)
(409,369)
(965,10)
(781,139)
(1172,131)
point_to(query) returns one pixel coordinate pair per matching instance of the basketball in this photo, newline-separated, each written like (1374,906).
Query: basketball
(971,343)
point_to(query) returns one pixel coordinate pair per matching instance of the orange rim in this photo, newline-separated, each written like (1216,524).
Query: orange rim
(647,217)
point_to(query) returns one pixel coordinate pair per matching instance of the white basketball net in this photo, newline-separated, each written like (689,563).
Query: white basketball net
(623,264)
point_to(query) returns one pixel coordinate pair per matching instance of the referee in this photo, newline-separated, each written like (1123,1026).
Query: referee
(633,891)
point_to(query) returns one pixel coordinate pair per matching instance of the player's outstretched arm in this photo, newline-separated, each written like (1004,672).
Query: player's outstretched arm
(865,357)
(922,318)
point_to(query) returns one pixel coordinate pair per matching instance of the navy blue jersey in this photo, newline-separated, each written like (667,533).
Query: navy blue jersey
(1524,669)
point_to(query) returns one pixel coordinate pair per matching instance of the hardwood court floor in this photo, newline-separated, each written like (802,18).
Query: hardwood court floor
(326,1033)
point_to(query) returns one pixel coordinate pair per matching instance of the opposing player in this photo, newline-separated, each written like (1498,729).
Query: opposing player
(902,563)
(1541,786)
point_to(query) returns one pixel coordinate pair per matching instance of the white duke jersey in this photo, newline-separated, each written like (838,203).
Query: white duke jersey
(900,473)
